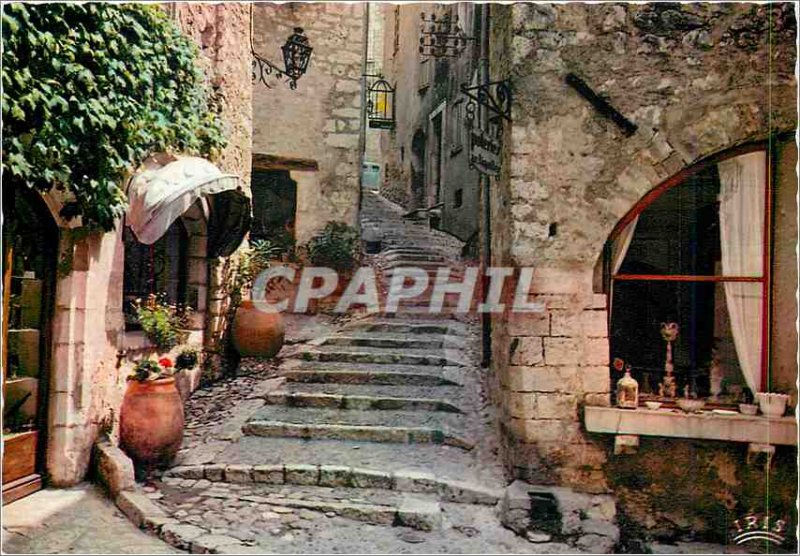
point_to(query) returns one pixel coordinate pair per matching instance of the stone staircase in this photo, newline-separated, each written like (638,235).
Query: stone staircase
(390,393)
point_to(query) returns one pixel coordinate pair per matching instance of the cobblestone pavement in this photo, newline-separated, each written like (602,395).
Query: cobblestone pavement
(79,520)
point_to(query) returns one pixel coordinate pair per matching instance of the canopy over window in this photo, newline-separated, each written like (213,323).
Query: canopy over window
(166,187)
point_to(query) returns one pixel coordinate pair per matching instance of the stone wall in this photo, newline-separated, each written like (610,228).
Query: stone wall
(696,79)
(222,31)
(321,119)
(87,377)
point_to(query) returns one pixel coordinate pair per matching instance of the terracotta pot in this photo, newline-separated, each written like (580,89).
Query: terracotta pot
(151,421)
(257,333)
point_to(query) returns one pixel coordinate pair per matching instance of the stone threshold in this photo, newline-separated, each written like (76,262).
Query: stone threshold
(342,476)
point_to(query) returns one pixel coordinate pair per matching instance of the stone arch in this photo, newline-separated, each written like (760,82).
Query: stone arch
(654,192)
(195,221)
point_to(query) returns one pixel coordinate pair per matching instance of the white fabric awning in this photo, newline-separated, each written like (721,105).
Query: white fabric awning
(165,188)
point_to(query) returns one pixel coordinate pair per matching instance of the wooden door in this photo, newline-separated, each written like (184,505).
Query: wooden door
(30,240)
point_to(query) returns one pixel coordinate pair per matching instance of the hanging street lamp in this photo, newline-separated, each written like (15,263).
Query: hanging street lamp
(296,55)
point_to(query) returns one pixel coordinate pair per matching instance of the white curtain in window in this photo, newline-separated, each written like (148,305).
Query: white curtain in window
(620,245)
(741,219)
(619,248)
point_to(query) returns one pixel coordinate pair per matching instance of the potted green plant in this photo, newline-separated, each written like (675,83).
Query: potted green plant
(335,247)
(256,333)
(151,417)
(164,324)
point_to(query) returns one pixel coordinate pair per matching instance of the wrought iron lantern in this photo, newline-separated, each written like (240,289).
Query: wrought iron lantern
(296,54)
(442,37)
(380,104)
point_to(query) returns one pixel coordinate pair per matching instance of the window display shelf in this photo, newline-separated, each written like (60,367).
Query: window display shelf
(703,426)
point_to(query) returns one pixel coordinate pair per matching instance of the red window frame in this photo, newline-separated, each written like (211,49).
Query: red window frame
(766,275)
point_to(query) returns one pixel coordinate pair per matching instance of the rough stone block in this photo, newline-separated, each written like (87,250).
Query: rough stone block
(542,379)
(521,404)
(237,473)
(302,474)
(597,399)
(556,406)
(207,544)
(424,515)
(597,352)
(187,472)
(114,468)
(180,535)
(415,481)
(215,472)
(468,493)
(565,324)
(595,379)
(335,475)
(562,351)
(528,324)
(526,351)
(595,324)
(367,478)
(138,507)
(270,474)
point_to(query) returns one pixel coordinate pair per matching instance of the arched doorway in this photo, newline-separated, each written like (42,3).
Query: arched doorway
(30,242)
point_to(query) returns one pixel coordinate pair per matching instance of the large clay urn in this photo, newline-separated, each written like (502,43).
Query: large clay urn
(151,421)
(257,333)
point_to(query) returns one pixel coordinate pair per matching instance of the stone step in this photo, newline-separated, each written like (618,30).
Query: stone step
(447,422)
(357,402)
(438,392)
(360,433)
(378,356)
(410,327)
(280,483)
(425,265)
(378,507)
(337,376)
(414,257)
(412,342)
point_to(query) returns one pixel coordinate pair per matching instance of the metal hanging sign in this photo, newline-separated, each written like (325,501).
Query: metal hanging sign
(486,139)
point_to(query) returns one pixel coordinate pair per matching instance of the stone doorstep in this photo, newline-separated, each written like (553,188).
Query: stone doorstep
(459,492)
(363,433)
(345,401)
(384,342)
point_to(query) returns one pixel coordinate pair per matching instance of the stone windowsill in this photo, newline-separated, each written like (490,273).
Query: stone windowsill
(702,426)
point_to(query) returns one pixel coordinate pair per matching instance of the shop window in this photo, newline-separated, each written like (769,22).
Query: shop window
(157,269)
(695,253)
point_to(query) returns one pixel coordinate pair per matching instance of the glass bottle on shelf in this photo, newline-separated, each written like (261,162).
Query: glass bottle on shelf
(627,391)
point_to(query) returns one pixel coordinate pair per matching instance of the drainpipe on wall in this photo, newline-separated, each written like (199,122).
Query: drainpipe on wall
(362,135)
(486,320)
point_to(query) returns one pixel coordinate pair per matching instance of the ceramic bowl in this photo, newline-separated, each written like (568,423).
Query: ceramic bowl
(690,405)
(772,405)
(748,408)
(652,405)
